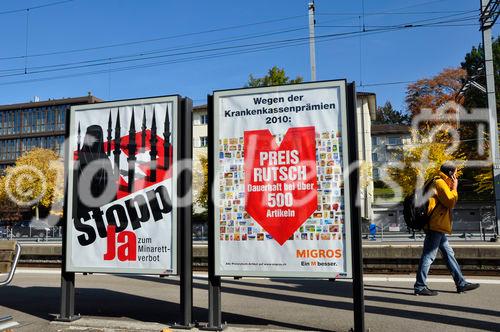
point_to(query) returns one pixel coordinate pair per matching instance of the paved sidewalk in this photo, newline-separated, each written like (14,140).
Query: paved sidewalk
(108,325)
(106,302)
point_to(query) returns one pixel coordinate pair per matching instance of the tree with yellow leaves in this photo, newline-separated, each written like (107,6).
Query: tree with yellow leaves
(8,210)
(422,160)
(36,180)
(202,198)
(484,182)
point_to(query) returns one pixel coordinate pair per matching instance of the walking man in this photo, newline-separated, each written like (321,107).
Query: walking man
(440,205)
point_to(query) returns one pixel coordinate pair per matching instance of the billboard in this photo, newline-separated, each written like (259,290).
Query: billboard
(281,181)
(121,197)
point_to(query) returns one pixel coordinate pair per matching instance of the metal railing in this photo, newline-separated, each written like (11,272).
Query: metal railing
(13,268)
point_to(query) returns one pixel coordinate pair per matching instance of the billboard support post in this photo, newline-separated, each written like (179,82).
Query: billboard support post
(214,282)
(357,253)
(214,299)
(67,298)
(186,239)
(67,313)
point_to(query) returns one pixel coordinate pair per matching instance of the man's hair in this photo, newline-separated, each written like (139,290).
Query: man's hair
(448,167)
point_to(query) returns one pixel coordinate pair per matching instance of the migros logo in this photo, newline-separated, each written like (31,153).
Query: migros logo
(318,253)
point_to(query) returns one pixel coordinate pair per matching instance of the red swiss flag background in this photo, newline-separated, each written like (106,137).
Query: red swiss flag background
(143,165)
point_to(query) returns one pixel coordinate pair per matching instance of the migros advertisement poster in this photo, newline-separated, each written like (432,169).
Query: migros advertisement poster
(120,205)
(280,181)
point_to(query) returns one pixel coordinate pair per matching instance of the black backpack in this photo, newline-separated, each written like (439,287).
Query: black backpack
(416,216)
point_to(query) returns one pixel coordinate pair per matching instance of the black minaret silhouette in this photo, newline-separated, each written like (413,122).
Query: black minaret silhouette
(117,149)
(143,134)
(132,147)
(78,142)
(110,130)
(154,152)
(166,142)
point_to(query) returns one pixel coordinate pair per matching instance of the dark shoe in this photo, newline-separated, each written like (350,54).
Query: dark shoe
(427,292)
(467,287)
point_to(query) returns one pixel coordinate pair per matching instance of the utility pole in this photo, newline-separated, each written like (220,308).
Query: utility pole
(312,50)
(489,14)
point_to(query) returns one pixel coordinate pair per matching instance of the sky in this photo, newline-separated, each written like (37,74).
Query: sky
(121,49)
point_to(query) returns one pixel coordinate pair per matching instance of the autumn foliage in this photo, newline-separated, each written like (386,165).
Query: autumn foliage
(36,180)
(423,160)
(431,93)
(202,180)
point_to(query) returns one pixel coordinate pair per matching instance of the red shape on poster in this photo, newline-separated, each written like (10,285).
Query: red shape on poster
(280,181)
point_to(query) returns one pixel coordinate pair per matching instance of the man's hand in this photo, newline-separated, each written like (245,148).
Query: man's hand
(454,183)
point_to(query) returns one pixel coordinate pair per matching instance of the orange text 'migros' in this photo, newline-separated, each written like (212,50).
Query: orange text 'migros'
(318,253)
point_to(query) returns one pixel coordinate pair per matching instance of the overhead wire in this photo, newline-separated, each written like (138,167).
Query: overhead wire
(436,18)
(150,40)
(35,7)
(150,55)
(195,58)
(223,51)
(141,54)
(355,14)
(160,38)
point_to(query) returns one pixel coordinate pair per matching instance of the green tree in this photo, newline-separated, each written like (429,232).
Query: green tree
(275,76)
(388,115)
(473,64)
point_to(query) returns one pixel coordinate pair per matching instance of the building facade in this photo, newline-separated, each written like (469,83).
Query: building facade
(200,149)
(387,144)
(366,106)
(35,124)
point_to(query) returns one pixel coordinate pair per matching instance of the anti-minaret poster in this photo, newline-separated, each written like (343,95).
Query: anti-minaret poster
(120,190)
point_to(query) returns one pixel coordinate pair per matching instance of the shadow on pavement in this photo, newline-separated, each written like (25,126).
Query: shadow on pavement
(409,289)
(344,289)
(43,302)
(387,291)
(457,308)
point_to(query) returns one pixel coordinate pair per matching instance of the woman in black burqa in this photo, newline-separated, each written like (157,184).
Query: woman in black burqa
(93,152)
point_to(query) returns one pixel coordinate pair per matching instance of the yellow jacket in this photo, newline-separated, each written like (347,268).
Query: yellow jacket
(441,204)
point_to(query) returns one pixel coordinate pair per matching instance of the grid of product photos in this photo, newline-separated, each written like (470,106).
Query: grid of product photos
(325,224)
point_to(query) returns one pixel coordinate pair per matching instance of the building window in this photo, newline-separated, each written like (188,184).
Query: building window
(59,115)
(374,140)
(394,140)
(50,119)
(204,119)
(200,119)
(374,156)
(1,123)
(60,145)
(376,174)
(17,126)
(2,150)
(203,141)
(25,121)
(396,155)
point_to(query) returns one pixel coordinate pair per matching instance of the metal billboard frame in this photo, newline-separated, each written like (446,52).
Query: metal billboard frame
(353,228)
(181,184)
